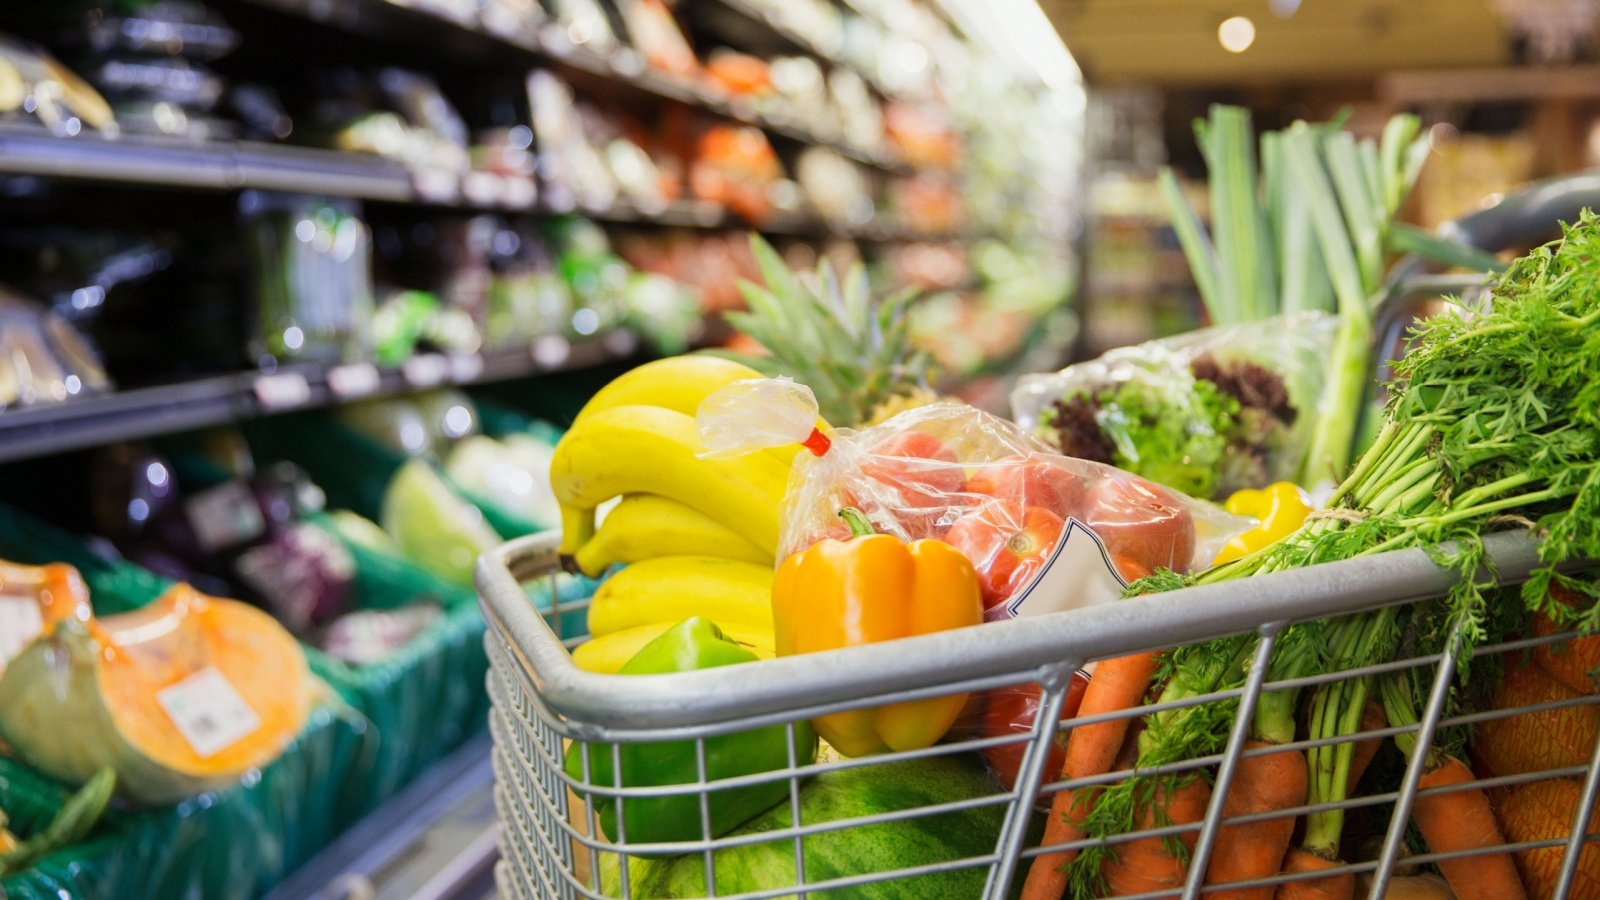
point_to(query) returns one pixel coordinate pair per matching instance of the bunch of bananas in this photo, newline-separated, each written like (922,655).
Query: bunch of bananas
(697,535)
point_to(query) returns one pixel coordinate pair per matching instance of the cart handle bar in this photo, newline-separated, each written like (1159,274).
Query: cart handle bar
(1042,643)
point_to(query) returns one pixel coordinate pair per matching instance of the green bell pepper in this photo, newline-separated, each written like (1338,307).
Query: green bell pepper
(694,643)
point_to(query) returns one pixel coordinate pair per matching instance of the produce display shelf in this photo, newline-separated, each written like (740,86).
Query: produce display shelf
(700,214)
(435,840)
(217,165)
(768,19)
(165,409)
(549,45)
(240,165)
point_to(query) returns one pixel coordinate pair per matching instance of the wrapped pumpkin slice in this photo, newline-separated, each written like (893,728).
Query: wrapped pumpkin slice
(34,598)
(179,697)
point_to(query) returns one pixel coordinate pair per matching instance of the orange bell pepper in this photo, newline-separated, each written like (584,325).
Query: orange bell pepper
(869,588)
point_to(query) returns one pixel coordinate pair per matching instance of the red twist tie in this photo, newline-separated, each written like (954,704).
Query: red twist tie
(817,442)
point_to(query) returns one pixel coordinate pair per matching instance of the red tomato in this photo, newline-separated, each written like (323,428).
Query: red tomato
(916,476)
(1032,482)
(1130,570)
(1011,710)
(1141,521)
(1008,544)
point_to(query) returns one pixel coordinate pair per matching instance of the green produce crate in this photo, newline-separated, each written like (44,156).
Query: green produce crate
(355,470)
(82,870)
(427,698)
(420,704)
(240,841)
(235,843)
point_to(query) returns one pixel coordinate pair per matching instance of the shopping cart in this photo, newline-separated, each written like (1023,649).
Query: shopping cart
(552,846)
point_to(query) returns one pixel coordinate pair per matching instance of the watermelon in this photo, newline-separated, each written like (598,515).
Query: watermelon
(847,794)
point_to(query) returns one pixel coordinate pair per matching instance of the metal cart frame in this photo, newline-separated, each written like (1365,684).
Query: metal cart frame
(553,847)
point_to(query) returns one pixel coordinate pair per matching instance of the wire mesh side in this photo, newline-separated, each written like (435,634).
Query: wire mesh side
(560,849)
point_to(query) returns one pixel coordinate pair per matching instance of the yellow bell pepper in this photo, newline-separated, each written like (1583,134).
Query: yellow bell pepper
(872,588)
(1280,508)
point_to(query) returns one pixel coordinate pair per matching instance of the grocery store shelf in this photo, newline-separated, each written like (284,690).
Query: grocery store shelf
(238,165)
(218,165)
(433,840)
(701,214)
(766,19)
(145,412)
(549,45)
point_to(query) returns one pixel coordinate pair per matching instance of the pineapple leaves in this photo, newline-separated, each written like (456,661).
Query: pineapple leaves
(827,331)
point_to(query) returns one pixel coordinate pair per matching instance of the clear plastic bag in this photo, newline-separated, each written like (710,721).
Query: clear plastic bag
(1207,413)
(1046,533)
(1019,512)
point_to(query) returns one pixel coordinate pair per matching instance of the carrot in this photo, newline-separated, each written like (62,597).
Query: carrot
(1146,864)
(1462,820)
(1333,887)
(1117,684)
(1256,849)
(1372,719)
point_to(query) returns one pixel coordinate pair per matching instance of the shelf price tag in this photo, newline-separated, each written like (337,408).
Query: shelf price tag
(465,367)
(224,516)
(481,188)
(353,380)
(518,192)
(282,390)
(20,623)
(551,350)
(440,185)
(209,712)
(425,371)
(622,342)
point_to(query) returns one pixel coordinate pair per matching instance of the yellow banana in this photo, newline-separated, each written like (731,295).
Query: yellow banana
(673,588)
(677,383)
(650,450)
(645,526)
(607,653)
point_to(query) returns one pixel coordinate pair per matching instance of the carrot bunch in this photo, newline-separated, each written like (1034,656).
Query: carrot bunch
(1491,420)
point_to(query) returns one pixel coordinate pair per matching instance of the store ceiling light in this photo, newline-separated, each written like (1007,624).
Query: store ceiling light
(1019,30)
(1236,34)
(1283,9)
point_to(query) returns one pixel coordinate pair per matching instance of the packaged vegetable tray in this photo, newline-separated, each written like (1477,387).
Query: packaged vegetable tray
(234,842)
(1208,413)
(359,473)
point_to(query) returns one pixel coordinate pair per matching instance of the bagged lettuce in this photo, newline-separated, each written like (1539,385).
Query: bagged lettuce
(1206,413)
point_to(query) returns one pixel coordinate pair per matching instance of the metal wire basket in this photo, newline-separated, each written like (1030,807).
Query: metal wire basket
(553,847)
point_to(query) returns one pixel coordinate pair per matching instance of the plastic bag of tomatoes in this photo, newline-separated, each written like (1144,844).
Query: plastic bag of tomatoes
(1046,533)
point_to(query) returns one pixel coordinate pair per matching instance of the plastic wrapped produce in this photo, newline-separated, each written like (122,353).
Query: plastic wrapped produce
(1207,413)
(43,359)
(1046,533)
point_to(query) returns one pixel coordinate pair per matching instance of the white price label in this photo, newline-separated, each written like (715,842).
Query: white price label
(465,367)
(425,371)
(224,516)
(551,350)
(20,623)
(519,192)
(553,38)
(481,188)
(283,390)
(209,712)
(353,380)
(439,185)
(1078,574)
(621,342)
